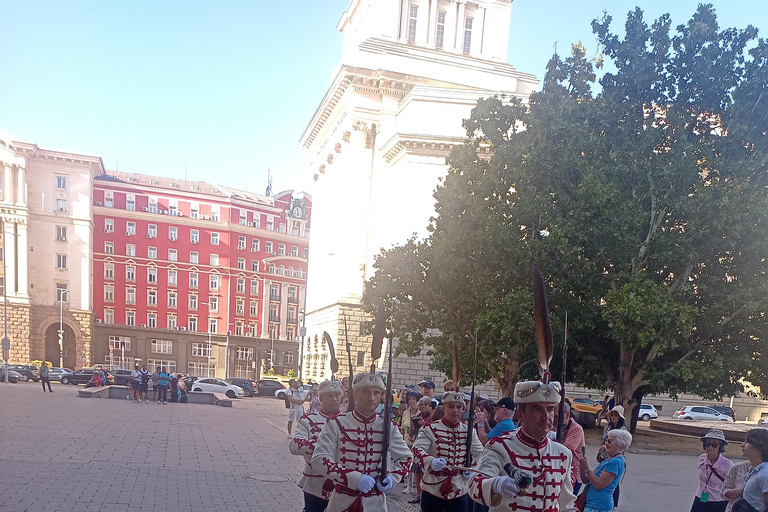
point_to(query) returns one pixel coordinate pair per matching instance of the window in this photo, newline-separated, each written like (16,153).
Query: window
(272,268)
(291,315)
(61,205)
(109,317)
(152,297)
(270,224)
(162,346)
(152,205)
(173,233)
(289,334)
(152,253)
(109,202)
(243,218)
(274,313)
(201,369)
(109,293)
(412,16)
(192,324)
(240,307)
(282,227)
(61,182)
(159,363)
(360,358)
(214,239)
(61,292)
(130,318)
(281,270)
(172,299)
(254,265)
(274,292)
(152,275)
(281,249)
(294,251)
(213,325)
(193,278)
(194,257)
(295,229)
(268,247)
(130,228)
(254,287)
(440,29)
(130,295)
(171,321)
(152,231)
(200,350)
(306,252)
(61,233)
(194,212)
(244,353)
(130,273)
(172,278)
(240,285)
(256,220)
(215,214)
(214,260)
(241,263)
(61,261)
(173,255)
(213,304)
(467,34)
(109,226)
(109,248)
(241,242)
(292,295)
(238,328)
(109,271)
(213,282)
(254,308)
(130,250)
(173,210)
(151,320)
(252,330)
(287,357)
(193,302)
(194,236)
(254,245)
(130,205)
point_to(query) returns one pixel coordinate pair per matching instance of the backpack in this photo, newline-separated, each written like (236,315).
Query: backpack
(144,377)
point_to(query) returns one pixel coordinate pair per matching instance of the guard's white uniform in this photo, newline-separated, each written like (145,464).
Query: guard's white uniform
(303,443)
(348,447)
(548,461)
(440,439)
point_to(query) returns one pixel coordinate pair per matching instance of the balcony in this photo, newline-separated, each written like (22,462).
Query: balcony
(292,320)
(274,297)
(293,300)
(274,318)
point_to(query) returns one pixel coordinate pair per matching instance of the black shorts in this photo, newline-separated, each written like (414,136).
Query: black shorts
(143,387)
(135,385)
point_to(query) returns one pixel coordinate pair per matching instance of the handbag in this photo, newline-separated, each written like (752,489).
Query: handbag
(742,505)
(581,500)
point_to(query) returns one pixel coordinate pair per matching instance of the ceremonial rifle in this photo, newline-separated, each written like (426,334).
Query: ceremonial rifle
(561,412)
(471,417)
(378,340)
(350,396)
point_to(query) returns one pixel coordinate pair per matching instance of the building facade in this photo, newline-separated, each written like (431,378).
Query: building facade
(177,263)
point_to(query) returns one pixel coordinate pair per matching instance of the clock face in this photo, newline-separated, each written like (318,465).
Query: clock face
(297,211)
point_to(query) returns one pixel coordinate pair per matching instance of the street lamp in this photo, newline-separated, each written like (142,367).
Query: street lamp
(208,371)
(303,332)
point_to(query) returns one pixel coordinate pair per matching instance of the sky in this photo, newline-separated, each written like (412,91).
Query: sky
(222,91)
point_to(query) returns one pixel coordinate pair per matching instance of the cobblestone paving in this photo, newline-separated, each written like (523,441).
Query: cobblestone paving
(62,453)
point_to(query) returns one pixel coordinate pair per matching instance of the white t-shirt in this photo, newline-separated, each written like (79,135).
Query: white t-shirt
(135,374)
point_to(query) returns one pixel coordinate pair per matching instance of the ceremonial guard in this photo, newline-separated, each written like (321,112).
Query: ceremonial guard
(441,449)
(349,451)
(303,443)
(525,470)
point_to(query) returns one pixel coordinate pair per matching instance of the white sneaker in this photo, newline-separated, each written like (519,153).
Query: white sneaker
(139,400)
(159,402)
(165,403)
(407,490)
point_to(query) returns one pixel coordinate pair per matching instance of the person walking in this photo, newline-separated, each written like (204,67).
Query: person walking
(44,376)
(296,407)
(754,495)
(713,468)
(163,379)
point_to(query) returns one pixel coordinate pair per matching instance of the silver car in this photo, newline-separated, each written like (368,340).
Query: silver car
(696,412)
(56,372)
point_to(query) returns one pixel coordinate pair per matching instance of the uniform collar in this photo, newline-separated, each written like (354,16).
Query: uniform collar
(529,441)
(445,422)
(362,419)
(327,415)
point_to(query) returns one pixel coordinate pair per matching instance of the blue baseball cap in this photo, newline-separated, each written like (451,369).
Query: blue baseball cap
(427,383)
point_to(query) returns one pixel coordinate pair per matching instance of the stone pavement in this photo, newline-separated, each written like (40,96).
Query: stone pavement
(62,453)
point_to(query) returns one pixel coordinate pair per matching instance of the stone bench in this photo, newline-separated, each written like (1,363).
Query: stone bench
(208,398)
(95,392)
(120,392)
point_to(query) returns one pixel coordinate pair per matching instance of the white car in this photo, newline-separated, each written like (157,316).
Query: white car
(282,394)
(213,385)
(647,411)
(696,412)
(55,373)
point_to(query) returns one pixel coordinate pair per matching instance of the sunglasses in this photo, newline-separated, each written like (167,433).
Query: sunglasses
(711,445)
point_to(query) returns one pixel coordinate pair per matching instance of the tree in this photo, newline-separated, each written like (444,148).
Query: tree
(645,205)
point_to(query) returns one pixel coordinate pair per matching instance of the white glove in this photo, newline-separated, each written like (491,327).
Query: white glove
(467,474)
(386,486)
(366,483)
(505,486)
(521,477)
(437,464)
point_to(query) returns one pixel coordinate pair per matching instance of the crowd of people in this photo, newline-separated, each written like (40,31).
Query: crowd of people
(165,387)
(515,462)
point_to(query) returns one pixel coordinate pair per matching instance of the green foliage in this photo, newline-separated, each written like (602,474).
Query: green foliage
(644,205)
(291,373)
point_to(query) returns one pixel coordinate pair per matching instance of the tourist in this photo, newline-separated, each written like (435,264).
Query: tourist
(295,401)
(734,482)
(504,413)
(163,379)
(573,439)
(144,377)
(601,482)
(44,373)
(755,491)
(136,384)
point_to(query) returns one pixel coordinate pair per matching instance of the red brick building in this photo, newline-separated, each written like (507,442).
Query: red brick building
(176,261)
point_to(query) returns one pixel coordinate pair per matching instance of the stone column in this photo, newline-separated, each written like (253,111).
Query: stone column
(459,40)
(23,262)
(432,28)
(283,310)
(10,257)
(20,185)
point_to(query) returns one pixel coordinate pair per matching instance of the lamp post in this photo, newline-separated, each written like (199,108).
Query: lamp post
(208,370)
(303,332)
(61,331)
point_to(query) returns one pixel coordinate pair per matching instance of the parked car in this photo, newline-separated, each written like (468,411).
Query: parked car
(81,377)
(647,411)
(585,405)
(282,394)
(27,372)
(696,412)
(243,383)
(55,373)
(122,377)
(268,387)
(13,377)
(724,409)
(214,385)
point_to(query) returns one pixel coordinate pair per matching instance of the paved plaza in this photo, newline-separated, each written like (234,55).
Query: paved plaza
(62,453)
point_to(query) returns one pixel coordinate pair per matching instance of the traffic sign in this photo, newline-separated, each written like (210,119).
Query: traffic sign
(82,359)
(6,344)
